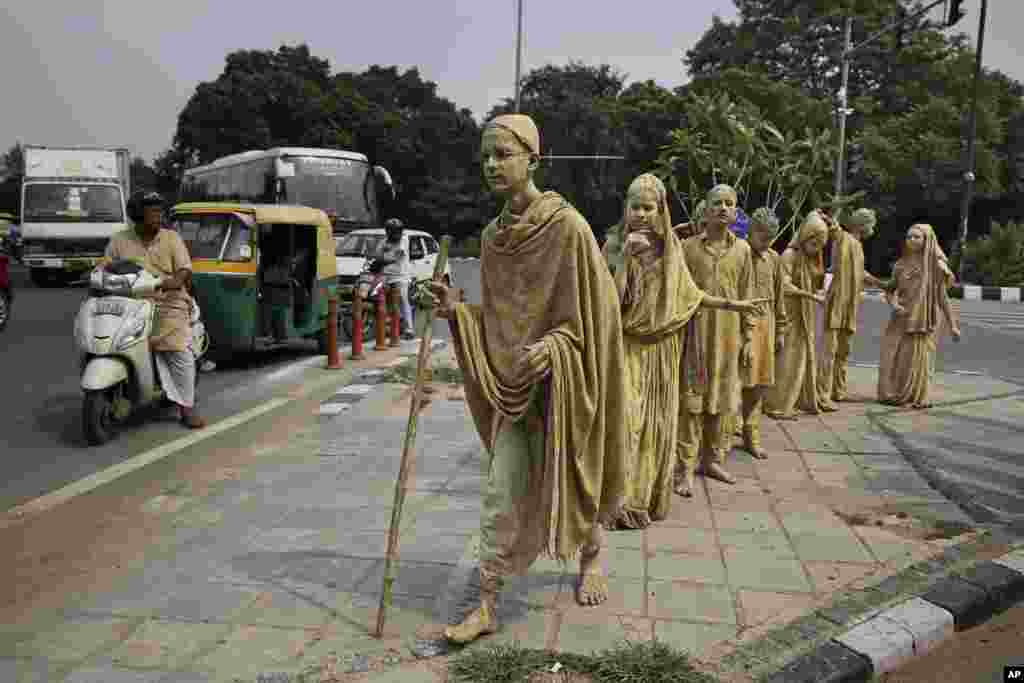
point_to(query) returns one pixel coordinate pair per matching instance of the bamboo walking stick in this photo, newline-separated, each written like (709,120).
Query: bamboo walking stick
(407,450)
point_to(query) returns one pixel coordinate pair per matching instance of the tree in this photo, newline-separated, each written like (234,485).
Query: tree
(909,103)
(728,140)
(997,259)
(142,174)
(577,111)
(10,186)
(266,99)
(14,160)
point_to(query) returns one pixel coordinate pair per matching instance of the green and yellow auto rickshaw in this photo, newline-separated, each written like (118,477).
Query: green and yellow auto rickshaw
(262,274)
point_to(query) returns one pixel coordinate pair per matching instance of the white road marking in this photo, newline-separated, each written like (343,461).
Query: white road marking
(332,409)
(97,479)
(356,389)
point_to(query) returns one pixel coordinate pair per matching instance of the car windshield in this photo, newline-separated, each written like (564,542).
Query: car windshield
(73,203)
(339,187)
(358,245)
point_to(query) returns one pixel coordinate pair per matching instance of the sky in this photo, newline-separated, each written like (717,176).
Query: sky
(118,72)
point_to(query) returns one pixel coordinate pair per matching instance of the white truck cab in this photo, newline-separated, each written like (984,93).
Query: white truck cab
(73,200)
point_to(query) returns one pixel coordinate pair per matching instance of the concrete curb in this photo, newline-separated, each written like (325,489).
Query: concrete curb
(977,293)
(912,628)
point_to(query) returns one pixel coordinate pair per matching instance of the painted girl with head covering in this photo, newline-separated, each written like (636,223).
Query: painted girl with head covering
(918,294)
(659,300)
(796,383)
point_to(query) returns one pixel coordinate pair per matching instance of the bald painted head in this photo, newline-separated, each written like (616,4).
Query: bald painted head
(510,153)
(720,208)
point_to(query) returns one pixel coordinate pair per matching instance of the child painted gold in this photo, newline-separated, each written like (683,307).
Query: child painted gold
(769,330)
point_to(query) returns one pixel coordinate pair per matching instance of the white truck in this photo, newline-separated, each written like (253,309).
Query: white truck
(73,199)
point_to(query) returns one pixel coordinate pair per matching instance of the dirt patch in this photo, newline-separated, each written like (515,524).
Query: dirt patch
(905,525)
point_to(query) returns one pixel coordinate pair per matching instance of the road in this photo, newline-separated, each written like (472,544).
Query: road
(992,340)
(40,420)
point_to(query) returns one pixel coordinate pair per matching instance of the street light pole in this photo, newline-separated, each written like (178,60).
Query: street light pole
(840,177)
(972,131)
(519,47)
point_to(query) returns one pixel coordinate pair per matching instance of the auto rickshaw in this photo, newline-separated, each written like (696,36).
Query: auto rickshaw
(261,273)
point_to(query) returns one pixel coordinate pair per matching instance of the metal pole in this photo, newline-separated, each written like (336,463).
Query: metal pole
(519,47)
(972,131)
(840,177)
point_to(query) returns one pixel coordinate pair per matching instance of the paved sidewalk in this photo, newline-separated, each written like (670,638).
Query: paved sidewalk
(278,572)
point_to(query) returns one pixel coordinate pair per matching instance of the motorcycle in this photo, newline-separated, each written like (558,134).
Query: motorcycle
(118,367)
(369,284)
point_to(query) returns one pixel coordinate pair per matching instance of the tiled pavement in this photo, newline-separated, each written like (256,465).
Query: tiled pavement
(280,569)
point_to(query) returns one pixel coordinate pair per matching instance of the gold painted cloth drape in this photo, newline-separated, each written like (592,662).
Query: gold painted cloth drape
(543,280)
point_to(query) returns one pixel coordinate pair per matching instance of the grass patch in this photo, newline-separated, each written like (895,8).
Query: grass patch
(628,662)
(944,529)
(406,374)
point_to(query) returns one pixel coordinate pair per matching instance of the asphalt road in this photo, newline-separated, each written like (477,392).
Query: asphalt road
(41,438)
(992,341)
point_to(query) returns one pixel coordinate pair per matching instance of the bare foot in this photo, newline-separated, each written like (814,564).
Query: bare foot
(788,417)
(593,585)
(757,452)
(479,622)
(684,485)
(828,407)
(716,471)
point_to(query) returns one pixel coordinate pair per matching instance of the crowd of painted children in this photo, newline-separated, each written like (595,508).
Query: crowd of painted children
(719,329)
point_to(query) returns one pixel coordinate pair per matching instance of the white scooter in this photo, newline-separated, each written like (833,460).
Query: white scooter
(112,330)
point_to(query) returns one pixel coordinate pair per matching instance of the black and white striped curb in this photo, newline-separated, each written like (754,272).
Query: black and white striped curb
(364,381)
(977,293)
(914,627)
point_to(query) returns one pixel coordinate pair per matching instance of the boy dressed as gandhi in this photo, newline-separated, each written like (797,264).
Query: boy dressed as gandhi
(542,357)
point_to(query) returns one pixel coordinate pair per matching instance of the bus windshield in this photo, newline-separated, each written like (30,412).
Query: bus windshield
(73,203)
(340,187)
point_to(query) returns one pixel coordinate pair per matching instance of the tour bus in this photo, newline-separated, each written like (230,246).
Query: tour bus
(340,183)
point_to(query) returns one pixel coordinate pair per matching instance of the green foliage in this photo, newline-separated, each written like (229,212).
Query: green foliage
(639,662)
(909,102)
(996,260)
(728,139)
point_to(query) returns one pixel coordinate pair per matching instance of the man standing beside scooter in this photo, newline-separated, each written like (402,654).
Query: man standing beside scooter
(163,253)
(397,271)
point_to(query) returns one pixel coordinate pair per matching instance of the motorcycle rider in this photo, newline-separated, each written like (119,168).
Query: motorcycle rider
(397,271)
(163,253)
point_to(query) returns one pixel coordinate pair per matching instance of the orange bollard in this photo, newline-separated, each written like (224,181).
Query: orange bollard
(395,313)
(357,326)
(381,321)
(333,357)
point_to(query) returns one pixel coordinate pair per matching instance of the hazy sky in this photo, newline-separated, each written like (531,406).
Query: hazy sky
(117,72)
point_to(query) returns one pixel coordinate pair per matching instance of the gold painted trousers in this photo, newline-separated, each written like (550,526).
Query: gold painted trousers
(512,527)
(834,360)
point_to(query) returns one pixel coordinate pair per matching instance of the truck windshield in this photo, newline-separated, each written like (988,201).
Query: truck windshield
(339,187)
(73,203)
